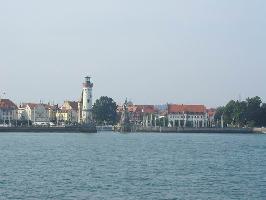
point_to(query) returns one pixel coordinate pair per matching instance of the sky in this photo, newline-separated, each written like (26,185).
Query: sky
(149,51)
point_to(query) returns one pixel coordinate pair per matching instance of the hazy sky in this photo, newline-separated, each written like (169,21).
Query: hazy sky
(151,51)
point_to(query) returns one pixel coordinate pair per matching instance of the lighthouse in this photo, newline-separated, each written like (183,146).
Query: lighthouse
(86,101)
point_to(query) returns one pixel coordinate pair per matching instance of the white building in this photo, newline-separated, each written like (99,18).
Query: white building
(34,112)
(195,116)
(85,104)
(37,112)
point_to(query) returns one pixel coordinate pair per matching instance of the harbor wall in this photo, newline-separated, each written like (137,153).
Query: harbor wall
(259,130)
(49,129)
(192,130)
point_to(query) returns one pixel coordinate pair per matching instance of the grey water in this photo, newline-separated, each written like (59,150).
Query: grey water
(132,166)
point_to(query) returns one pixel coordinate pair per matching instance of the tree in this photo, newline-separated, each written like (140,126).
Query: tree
(104,111)
(263,115)
(239,113)
(219,113)
(243,113)
(254,110)
(229,113)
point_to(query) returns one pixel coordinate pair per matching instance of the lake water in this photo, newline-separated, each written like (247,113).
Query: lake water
(132,166)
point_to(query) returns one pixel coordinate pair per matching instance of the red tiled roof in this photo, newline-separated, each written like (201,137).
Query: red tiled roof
(7,104)
(132,108)
(138,108)
(145,108)
(73,104)
(175,108)
(31,105)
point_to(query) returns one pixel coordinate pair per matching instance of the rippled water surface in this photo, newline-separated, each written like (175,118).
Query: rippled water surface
(132,166)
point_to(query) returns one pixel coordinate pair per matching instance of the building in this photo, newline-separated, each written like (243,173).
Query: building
(195,116)
(35,112)
(8,111)
(144,115)
(52,110)
(22,114)
(68,112)
(85,103)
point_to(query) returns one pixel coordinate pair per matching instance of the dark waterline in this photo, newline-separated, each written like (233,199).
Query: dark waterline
(132,166)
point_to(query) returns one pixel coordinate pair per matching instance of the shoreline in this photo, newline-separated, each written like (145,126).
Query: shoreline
(194,130)
(49,129)
(198,130)
(134,130)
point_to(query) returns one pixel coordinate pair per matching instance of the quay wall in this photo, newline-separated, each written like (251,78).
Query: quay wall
(193,130)
(49,129)
(259,130)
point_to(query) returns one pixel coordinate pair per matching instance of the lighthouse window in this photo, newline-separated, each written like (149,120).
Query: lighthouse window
(88,101)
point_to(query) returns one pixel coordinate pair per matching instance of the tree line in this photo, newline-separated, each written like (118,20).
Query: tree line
(248,113)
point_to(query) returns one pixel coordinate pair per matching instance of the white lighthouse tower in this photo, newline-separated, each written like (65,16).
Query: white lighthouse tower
(87,101)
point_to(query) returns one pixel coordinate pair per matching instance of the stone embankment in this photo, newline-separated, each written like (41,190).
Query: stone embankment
(193,130)
(259,130)
(50,129)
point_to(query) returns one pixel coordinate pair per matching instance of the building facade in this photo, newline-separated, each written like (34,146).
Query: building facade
(37,112)
(194,116)
(68,112)
(8,111)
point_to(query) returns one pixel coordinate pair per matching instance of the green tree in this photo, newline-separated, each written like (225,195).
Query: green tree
(219,113)
(254,111)
(229,113)
(243,113)
(263,115)
(239,113)
(104,111)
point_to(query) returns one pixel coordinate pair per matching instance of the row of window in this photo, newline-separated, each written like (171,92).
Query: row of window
(174,116)
(7,113)
(6,118)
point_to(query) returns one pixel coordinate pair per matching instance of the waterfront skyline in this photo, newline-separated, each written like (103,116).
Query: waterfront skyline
(191,52)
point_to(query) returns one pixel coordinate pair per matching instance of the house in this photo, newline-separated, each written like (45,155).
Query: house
(52,110)
(195,116)
(37,112)
(68,112)
(22,114)
(8,110)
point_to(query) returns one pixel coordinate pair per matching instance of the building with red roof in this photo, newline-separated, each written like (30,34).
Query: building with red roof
(181,115)
(8,110)
(140,114)
(68,112)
